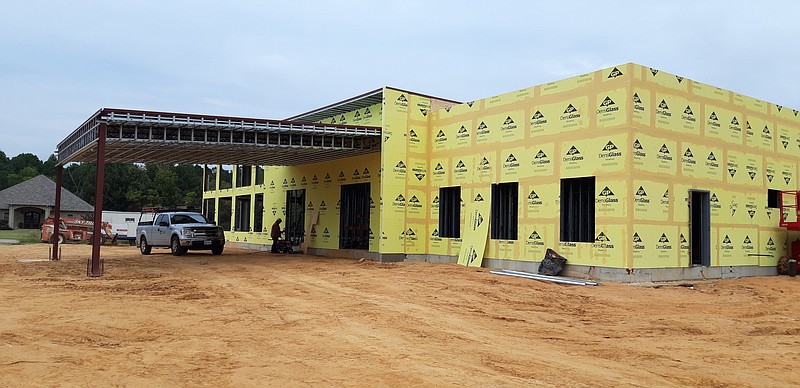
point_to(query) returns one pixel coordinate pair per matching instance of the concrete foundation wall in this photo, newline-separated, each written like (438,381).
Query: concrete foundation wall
(638,275)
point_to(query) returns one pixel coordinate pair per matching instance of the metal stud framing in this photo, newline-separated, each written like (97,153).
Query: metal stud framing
(157,137)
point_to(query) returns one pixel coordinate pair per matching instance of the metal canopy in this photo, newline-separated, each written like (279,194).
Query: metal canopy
(160,137)
(341,107)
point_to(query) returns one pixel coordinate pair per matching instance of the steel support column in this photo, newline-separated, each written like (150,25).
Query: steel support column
(57,212)
(98,201)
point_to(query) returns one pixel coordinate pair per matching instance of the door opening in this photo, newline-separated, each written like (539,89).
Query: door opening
(700,227)
(242,222)
(295,215)
(354,217)
(258,214)
(32,220)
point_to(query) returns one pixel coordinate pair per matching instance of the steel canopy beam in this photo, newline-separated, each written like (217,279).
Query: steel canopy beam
(158,137)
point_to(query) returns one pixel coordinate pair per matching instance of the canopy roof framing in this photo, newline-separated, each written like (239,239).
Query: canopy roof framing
(160,137)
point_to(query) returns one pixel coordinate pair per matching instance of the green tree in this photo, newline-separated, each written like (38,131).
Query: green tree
(49,167)
(24,174)
(4,171)
(25,160)
(121,180)
(165,183)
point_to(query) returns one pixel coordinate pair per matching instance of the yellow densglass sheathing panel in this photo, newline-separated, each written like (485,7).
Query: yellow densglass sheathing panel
(676,113)
(666,80)
(647,153)
(723,124)
(787,175)
(737,246)
(759,133)
(322,188)
(417,205)
(750,103)
(711,92)
(513,164)
(487,168)
(656,246)
(684,258)
(736,173)
(440,174)
(541,201)
(650,200)
(722,206)
(456,110)
(609,247)
(537,238)
(611,108)
(788,139)
(394,164)
(510,127)
(782,112)
(611,198)
(416,238)
(370,115)
(641,106)
(507,98)
(699,161)
(543,159)
(655,154)
(566,85)
(476,228)
(418,139)
(774,243)
(522,137)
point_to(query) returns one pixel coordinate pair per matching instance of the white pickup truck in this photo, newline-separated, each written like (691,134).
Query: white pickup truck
(179,231)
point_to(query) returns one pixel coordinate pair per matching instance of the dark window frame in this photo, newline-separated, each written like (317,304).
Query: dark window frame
(294,219)
(225,212)
(773,199)
(210,178)
(241,222)
(354,217)
(505,211)
(244,175)
(225,173)
(258,213)
(577,209)
(450,212)
(209,208)
(259,175)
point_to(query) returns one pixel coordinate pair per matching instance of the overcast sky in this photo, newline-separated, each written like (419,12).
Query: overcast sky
(60,61)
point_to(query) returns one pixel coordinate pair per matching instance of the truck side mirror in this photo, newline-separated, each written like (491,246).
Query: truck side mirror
(163,223)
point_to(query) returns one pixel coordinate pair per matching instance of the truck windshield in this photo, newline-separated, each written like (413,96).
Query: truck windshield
(188,219)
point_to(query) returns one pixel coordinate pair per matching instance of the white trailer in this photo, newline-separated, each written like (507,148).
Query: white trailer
(123,224)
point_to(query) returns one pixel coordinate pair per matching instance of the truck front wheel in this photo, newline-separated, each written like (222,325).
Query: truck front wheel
(143,247)
(175,247)
(60,237)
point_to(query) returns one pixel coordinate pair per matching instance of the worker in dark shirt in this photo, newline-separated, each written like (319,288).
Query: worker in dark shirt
(276,234)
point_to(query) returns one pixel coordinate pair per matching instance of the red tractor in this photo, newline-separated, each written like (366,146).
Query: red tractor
(73,230)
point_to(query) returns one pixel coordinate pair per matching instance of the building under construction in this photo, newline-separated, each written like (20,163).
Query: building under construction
(629,172)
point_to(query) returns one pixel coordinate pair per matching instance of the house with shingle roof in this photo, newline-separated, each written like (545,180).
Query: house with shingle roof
(28,204)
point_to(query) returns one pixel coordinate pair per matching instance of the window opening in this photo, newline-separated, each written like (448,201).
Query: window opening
(577,209)
(450,212)
(504,211)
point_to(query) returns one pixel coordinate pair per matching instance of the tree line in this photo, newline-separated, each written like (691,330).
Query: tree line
(128,186)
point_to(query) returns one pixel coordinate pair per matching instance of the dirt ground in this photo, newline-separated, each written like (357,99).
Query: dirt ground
(256,319)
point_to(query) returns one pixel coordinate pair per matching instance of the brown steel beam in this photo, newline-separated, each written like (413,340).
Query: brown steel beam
(57,213)
(98,201)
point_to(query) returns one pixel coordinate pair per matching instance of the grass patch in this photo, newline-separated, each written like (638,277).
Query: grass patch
(25,236)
